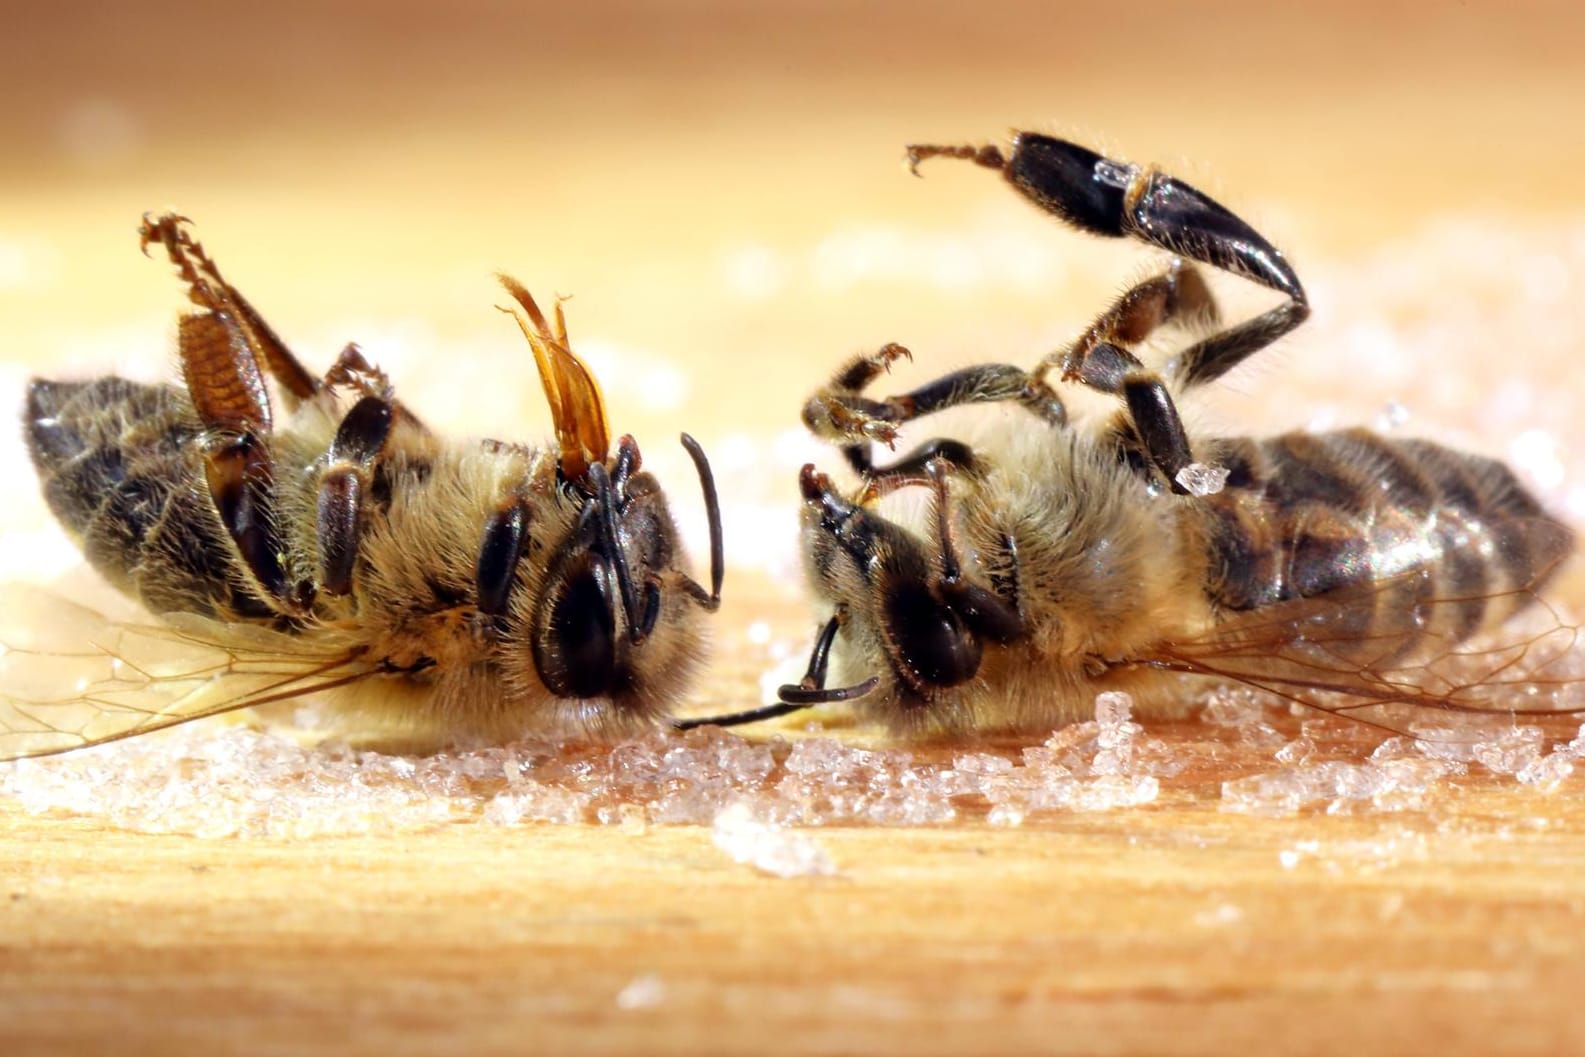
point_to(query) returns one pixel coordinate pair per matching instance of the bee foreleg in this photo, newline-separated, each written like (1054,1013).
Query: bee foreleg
(851,420)
(343,486)
(983,610)
(910,469)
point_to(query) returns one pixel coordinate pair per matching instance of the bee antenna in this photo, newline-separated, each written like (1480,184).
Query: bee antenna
(712,508)
(605,500)
(796,697)
(793,699)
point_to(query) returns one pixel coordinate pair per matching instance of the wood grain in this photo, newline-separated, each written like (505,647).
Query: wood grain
(1174,929)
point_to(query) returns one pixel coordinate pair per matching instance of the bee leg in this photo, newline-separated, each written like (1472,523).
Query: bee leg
(909,470)
(1151,421)
(1104,352)
(838,412)
(227,390)
(343,486)
(1107,197)
(1101,359)
(506,530)
(208,290)
(353,370)
(984,611)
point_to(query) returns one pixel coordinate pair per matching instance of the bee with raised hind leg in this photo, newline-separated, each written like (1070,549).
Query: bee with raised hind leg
(1345,570)
(435,587)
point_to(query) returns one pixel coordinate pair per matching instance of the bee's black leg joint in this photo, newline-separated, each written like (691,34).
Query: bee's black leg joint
(344,487)
(1158,425)
(500,548)
(911,467)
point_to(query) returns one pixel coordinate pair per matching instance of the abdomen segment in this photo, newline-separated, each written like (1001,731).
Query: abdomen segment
(1437,539)
(115,459)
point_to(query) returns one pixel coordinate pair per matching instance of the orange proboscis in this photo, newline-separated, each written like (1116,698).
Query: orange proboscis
(576,407)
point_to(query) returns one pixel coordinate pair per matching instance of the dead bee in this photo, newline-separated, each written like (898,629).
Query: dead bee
(1338,569)
(456,588)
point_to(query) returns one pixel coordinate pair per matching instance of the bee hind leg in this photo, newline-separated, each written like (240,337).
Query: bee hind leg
(1117,199)
(209,290)
(227,391)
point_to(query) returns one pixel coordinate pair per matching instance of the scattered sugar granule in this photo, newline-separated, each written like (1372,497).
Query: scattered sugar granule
(645,991)
(1200,479)
(768,847)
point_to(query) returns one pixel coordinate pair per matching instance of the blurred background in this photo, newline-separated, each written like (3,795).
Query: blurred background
(719,188)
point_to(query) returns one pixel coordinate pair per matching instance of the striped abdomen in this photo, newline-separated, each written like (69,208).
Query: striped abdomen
(1425,540)
(119,469)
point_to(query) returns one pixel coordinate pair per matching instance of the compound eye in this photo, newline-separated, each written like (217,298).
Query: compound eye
(934,646)
(578,655)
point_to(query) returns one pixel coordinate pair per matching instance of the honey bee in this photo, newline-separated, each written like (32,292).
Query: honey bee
(477,588)
(1340,570)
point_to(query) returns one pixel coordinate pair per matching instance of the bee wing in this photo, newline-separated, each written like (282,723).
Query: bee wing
(1395,646)
(577,407)
(71,677)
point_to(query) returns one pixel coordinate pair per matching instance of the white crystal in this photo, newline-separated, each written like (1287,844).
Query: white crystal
(642,992)
(768,847)
(1199,479)
(1112,709)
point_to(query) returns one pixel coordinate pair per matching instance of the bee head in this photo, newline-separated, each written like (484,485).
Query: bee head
(615,617)
(893,600)
(608,615)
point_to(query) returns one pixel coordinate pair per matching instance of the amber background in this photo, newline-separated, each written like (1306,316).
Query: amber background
(719,185)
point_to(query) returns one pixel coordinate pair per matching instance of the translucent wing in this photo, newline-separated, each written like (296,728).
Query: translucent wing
(71,677)
(576,405)
(1389,648)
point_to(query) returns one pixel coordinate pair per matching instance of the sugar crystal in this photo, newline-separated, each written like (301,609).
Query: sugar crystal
(768,847)
(642,992)
(1201,480)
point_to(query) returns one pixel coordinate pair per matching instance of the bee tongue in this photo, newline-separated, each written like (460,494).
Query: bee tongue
(577,408)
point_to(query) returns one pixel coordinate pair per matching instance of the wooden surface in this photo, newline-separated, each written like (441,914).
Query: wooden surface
(720,187)
(1172,929)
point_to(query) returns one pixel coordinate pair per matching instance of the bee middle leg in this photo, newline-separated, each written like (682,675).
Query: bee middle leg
(353,370)
(1103,359)
(344,486)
